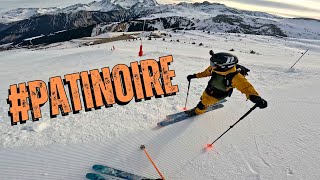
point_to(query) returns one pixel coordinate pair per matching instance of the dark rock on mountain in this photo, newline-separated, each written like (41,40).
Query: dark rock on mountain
(60,36)
(47,24)
(3,27)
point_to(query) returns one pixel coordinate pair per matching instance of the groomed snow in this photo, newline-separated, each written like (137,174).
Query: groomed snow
(280,142)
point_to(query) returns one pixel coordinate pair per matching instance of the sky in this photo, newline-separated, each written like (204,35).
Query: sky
(288,8)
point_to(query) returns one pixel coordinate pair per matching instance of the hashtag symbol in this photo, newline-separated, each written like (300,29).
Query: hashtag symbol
(18,102)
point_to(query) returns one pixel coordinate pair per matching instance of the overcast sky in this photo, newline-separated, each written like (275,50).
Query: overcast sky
(290,8)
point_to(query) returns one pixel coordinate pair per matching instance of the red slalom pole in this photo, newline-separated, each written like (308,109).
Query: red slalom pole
(141,51)
(142,147)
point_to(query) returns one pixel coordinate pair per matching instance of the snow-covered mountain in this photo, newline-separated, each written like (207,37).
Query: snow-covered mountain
(194,10)
(129,3)
(103,6)
(204,16)
(24,13)
(52,23)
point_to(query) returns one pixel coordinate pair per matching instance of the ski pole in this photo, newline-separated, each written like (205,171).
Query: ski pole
(299,58)
(254,107)
(185,106)
(142,147)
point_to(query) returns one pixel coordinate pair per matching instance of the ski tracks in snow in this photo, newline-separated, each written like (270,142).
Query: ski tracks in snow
(279,142)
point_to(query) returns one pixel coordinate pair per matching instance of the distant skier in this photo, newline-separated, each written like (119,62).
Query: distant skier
(225,74)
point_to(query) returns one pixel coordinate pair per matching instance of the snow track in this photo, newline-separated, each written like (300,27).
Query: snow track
(267,144)
(280,142)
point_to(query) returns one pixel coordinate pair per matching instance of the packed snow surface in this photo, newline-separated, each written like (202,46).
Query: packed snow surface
(279,142)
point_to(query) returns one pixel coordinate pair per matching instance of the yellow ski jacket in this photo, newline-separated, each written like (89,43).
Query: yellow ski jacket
(239,81)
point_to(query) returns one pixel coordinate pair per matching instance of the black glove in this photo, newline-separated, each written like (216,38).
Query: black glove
(189,77)
(243,70)
(261,103)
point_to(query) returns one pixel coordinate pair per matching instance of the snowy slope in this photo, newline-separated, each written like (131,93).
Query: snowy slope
(280,142)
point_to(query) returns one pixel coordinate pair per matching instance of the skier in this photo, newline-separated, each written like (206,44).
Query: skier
(225,74)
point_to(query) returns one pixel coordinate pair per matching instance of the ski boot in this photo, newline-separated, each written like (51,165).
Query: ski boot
(191,112)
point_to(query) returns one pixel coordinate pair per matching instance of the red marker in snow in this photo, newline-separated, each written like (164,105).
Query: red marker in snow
(253,108)
(141,51)
(209,147)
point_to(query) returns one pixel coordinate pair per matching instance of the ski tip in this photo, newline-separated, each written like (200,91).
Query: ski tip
(93,176)
(97,167)
(159,124)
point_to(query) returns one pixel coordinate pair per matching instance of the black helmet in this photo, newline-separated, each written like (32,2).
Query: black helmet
(223,61)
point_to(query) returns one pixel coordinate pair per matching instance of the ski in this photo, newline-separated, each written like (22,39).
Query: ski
(116,173)
(183,112)
(93,176)
(183,116)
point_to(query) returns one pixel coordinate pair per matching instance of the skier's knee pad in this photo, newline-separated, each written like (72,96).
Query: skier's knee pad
(201,106)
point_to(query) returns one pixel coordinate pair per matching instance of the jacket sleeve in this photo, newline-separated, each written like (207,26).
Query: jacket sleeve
(205,73)
(243,85)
